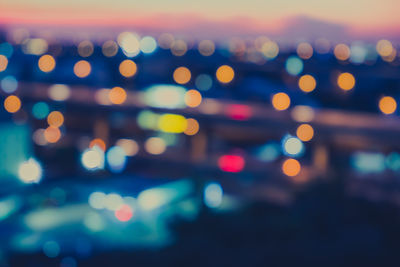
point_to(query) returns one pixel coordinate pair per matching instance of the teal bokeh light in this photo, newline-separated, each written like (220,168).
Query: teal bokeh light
(294,65)
(40,110)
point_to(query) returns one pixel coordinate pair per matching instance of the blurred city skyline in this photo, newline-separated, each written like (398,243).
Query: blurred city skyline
(199,133)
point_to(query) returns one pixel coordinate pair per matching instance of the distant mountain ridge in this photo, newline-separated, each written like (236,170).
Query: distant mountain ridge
(290,29)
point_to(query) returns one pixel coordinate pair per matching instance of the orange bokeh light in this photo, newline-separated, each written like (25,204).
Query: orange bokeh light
(281,101)
(291,167)
(307,83)
(182,75)
(193,98)
(99,143)
(387,105)
(52,134)
(342,52)
(192,127)
(12,103)
(117,95)
(225,74)
(305,132)
(82,68)
(46,63)
(346,81)
(55,119)
(127,68)
(3,63)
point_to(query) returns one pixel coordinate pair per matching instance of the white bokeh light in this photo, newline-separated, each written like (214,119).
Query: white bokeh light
(293,146)
(213,195)
(93,159)
(30,171)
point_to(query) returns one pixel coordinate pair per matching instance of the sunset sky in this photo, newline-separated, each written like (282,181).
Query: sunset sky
(361,16)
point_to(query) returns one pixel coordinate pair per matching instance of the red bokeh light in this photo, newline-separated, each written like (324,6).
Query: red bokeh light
(124,213)
(231,163)
(239,112)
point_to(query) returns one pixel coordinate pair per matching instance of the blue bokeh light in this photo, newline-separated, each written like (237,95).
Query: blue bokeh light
(116,159)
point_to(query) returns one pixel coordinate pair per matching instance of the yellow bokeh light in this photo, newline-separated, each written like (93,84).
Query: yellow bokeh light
(305,132)
(281,101)
(85,48)
(225,74)
(55,119)
(172,123)
(387,105)
(99,143)
(391,57)
(342,52)
(12,104)
(291,167)
(127,68)
(192,127)
(384,48)
(182,75)
(117,95)
(270,49)
(52,134)
(304,50)
(82,68)
(346,81)
(307,83)
(35,46)
(193,98)
(3,63)
(46,63)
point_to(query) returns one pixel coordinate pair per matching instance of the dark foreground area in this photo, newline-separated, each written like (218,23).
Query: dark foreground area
(324,226)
